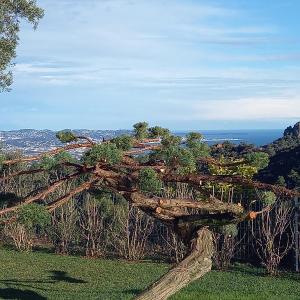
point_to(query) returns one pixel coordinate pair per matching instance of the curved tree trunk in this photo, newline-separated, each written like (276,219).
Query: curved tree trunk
(193,267)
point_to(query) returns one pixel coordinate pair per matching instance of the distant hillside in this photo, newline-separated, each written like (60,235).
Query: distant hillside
(284,167)
(284,164)
(289,141)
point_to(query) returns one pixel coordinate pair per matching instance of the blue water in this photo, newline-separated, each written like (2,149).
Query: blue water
(257,137)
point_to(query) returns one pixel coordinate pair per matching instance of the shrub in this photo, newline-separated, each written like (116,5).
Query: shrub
(149,182)
(107,152)
(66,136)
(30,219)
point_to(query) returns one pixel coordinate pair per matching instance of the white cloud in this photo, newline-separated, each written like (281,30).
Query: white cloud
(164,59)
(248,109)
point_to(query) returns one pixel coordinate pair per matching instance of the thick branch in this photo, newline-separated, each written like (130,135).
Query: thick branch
(39,170)
(236,180)
(62,200)
(193,267)
(186,215)
(41,193)
(212,205)
(19,173)
(86,138)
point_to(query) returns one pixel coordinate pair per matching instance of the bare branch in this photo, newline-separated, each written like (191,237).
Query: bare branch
(19,173)
(41,193)
(62,200)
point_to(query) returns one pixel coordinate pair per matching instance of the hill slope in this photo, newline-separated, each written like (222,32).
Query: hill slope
(284,167)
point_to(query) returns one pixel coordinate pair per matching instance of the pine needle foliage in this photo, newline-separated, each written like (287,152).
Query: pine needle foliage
(66,136)
(106,153)
(149,182)
(123,142)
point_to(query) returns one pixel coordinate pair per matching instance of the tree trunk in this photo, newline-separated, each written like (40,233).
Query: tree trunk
(193,267)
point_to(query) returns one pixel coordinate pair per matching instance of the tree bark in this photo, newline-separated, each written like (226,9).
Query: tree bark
(193,267)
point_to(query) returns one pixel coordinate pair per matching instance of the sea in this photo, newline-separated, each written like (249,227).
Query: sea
(258,137)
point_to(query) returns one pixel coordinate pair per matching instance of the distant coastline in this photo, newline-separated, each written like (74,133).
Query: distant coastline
(31,141)
(258,137)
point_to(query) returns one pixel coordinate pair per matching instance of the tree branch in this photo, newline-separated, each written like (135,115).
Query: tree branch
(236,180)
(41,193)
(62,200)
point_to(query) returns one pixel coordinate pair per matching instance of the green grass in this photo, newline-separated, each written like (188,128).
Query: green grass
(48,276)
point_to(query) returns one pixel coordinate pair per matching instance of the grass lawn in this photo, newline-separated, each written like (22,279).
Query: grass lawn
(49,276)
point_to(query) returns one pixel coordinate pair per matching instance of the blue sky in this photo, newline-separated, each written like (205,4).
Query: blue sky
(183,64)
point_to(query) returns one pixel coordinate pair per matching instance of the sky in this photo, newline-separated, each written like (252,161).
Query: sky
(182,64)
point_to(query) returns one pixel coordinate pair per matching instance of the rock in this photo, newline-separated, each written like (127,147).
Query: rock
(293,131)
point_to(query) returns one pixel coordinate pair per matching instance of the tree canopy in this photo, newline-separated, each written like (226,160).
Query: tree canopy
(138,168)
(11,14)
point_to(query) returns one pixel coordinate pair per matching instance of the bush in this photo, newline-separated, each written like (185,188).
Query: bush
(107,153)
(30,219)
(225,244)
(123,142)
(149,182)
(66,136)
(260,160)
(64,232)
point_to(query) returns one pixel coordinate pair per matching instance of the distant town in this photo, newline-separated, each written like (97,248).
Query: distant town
(31,141)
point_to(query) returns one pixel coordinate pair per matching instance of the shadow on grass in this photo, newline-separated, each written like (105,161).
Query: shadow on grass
(132,291)
(63,276)
(260,272)
(11,293)
(56,276)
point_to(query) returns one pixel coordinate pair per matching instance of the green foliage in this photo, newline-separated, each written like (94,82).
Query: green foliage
(285,164)
(260,160)
(281,181)
(180,158)
(51,162)
(66,136)
(229,230)
(170,141)
(157,132)
(228,149)
(105,205)
(294,178)
(148,181)
(240,168)
(11,14)
(123,142)
(286,143)
(48,162)
(143,158)
(187,162)
(198,148)
(193,137)
(34,215)
(268,198)
(141,130)
(107,152)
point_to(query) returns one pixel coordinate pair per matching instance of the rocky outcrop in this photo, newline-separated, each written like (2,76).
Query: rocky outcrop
(293,131)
